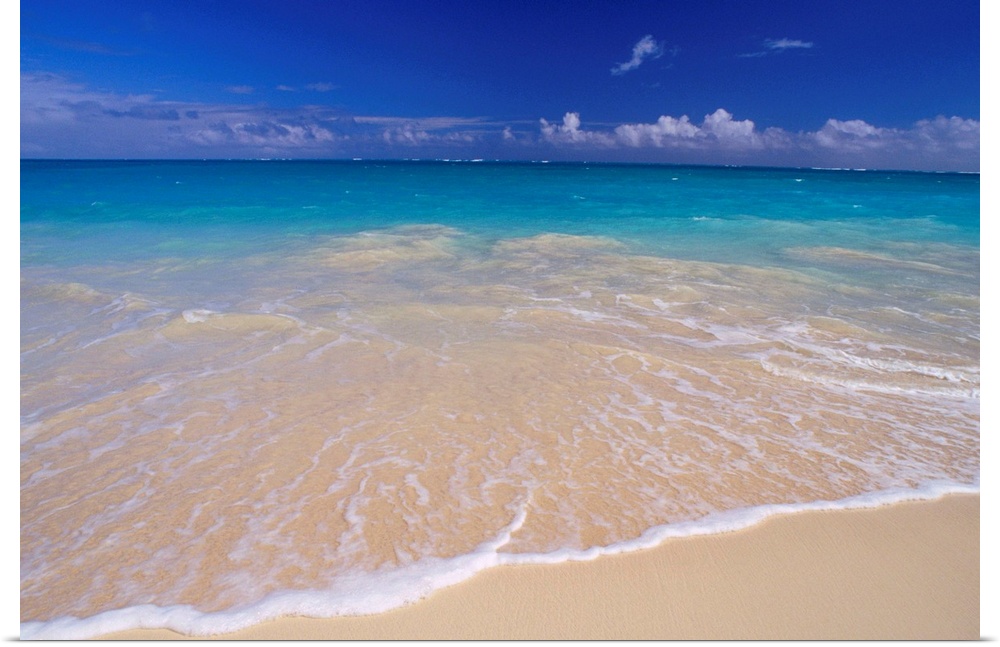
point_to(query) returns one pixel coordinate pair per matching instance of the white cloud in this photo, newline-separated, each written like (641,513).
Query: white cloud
(240,89)
(273,135)
(60,118)
(947,138)
(854,135)
(939,143)
(64,119)
(424,123)
(960,133)
(782,44)
(777,46)
(664,130)
(645,48)
(721,124)
(853,128)
(569,132)
(285,88)
(321,87)
(716,128)
(406,135)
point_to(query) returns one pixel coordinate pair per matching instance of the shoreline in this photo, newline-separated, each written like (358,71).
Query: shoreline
(907,570)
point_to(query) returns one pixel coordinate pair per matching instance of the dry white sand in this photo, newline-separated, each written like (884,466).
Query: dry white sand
(906,571)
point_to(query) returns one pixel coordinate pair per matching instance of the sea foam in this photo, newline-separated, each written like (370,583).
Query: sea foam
(372,593)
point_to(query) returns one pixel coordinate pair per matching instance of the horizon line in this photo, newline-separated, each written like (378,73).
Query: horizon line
(484,161)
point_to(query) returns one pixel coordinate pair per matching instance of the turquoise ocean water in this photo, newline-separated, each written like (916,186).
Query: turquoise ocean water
(322,388)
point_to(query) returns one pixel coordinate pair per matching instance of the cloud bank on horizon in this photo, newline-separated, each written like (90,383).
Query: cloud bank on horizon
(716,82)
(61,119)
(940,140)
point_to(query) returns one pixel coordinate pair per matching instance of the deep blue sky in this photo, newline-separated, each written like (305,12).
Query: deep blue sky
(878,83)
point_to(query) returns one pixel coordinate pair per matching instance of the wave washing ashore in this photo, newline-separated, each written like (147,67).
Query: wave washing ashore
(253,389)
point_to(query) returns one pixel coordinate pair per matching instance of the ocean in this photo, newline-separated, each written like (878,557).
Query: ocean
(263,388)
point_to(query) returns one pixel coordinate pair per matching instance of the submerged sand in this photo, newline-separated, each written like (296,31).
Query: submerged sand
(373,400)
(370,401)
(905,571)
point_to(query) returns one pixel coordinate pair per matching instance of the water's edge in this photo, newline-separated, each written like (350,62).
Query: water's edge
(368,594)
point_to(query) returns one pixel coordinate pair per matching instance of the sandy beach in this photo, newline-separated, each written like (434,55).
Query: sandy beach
(376,320)
(905,571)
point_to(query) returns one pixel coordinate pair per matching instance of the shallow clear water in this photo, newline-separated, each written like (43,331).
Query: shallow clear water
(252,388)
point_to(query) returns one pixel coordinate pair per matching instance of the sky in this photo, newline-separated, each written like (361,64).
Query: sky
(873,84)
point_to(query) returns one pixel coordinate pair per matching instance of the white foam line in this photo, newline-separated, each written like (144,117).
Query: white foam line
(370,593)
(971,393)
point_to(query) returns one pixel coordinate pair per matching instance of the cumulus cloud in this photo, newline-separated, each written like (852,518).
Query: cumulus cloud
(854,134)
(942,142)
(658,134)
(717,128)
(408,135)
(644,49)
(721,124)
(949,143)
(271,135)
(61,118)
(569,132)
(962,134)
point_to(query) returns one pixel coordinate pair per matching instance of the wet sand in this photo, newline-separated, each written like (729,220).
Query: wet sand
(905,571)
